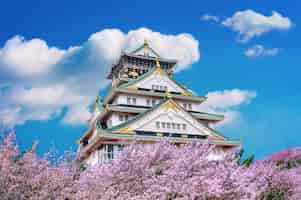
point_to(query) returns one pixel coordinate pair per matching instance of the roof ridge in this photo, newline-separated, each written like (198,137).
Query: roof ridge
(145,45)
(150,72)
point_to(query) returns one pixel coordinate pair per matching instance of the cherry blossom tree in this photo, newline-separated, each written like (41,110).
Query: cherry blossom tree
(158,171)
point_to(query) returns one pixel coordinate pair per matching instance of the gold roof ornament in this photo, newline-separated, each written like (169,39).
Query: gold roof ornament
(168,94)
(157,63)
(134,73)
(170,104)
(186,93)
(125,130)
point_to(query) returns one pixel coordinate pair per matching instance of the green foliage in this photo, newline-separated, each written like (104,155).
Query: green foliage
(248,161)
(275,195)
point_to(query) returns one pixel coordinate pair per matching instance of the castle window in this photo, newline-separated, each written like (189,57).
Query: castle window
(178,126)
(158,124)
(131,100)
(153,102)
(168,125)
(159,87)
(163,124)
(147,102)
(185,106)
(189,107)
(110,151)
(126,117)
(120,118)
(173,126)
(184,126)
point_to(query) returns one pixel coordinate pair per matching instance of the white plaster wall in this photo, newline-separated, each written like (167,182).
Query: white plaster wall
(160,81)
(114,117)
(140,100)
(194,106)
(92,159)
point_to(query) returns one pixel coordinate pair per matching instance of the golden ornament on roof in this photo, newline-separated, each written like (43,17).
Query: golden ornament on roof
(134,74)
(168,94)
(157,62)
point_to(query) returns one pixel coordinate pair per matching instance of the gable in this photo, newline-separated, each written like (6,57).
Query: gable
(170,122)
(168,117)
(146,52)
(157,79)
(159,82)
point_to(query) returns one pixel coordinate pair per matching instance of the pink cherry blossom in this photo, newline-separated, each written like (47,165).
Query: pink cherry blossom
(157,171)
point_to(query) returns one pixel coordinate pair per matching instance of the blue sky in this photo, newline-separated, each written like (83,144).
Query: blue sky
(259,88)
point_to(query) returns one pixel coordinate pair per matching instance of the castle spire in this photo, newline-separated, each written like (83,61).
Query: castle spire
(145,42)
(145,47)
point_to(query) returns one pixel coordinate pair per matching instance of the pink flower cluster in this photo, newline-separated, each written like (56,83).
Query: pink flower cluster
(158,171)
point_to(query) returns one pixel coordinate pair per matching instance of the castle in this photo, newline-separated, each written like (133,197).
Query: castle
(145,104)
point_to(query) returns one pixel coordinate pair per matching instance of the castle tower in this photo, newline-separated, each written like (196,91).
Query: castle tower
(145,104)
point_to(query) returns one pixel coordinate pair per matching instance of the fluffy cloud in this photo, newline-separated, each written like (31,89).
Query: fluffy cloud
(260,51)
(182,47)
(250,24)
(29,58)
(77,115)
(37,81)
(208,17)
(225,102)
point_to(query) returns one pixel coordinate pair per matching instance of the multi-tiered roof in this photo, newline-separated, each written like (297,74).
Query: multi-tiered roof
(146,104)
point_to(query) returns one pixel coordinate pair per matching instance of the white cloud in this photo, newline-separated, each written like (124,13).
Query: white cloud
(77,115)
(230,117)
(182,47)
(250,24)
(29,58)
(38,82)
(226,102)
(260,51)
(9,117)
(208,17)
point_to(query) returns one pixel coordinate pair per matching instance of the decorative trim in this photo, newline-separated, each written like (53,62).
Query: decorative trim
(159,134)
(184,136)
(186,93)
(159,72)
(132,87)
(170,105)
(125,130)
